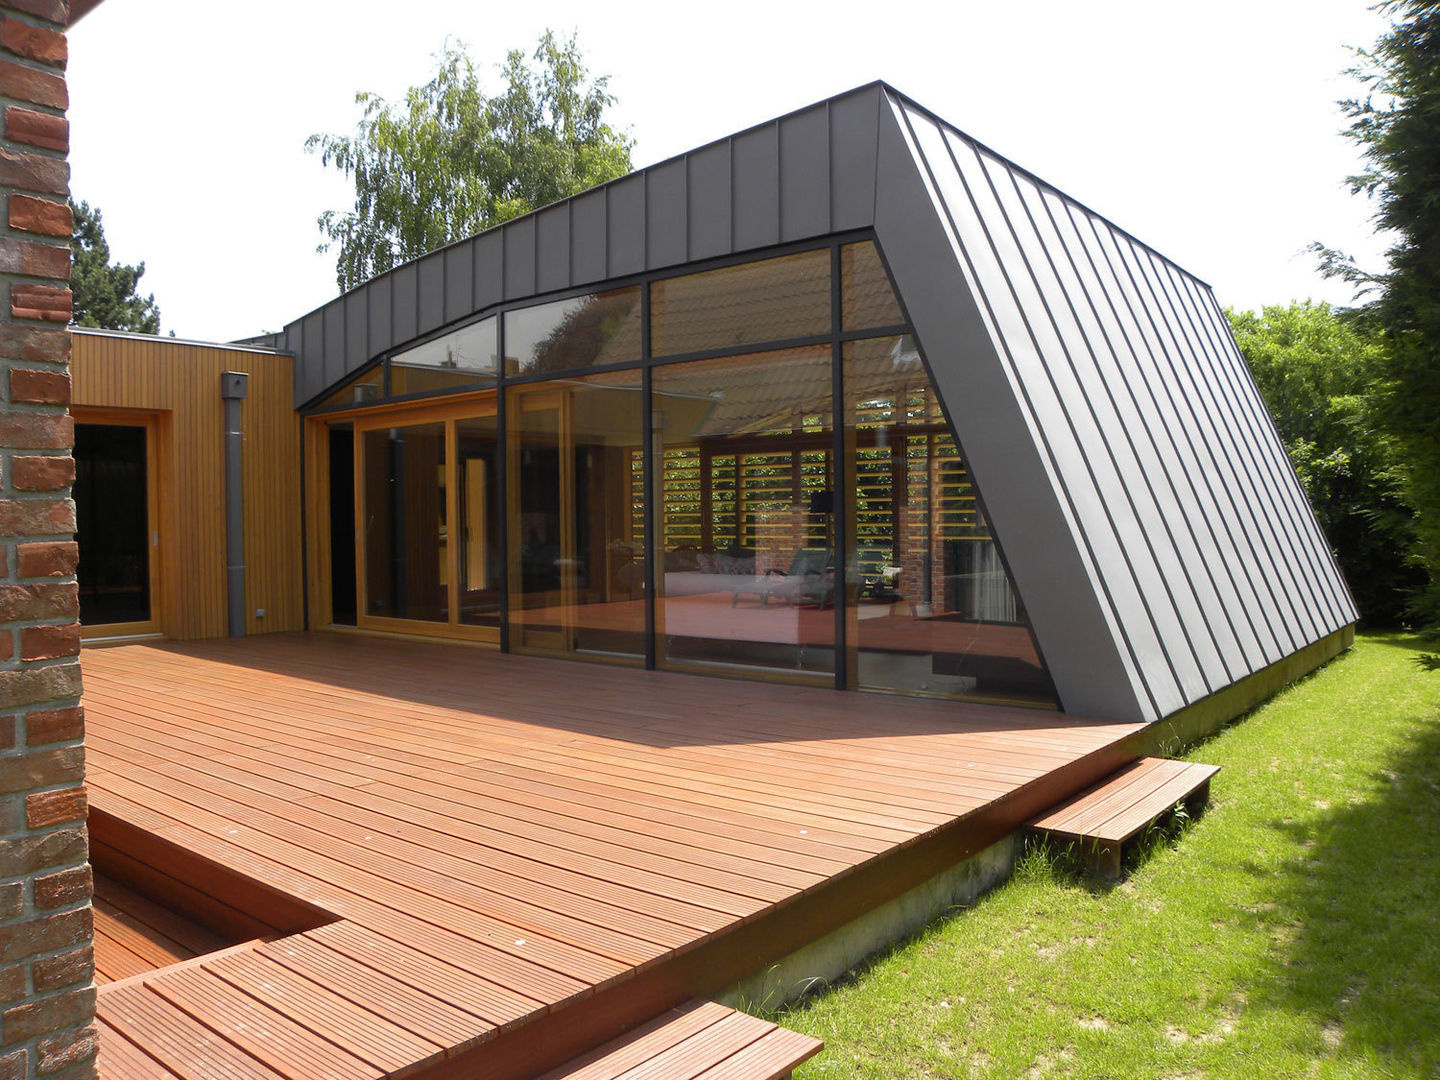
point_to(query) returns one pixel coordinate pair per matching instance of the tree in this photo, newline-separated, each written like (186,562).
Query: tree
(104,292)
(1397,126)
(449,162)
(1316,369)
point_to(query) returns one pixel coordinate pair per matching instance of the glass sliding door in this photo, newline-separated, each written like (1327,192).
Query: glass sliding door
(429,520)
(577,567)
(933,608)
(113,526)
(405,523)
(745,516)
(477,490)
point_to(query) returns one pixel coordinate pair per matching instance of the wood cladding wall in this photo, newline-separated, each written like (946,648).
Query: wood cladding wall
(178,384)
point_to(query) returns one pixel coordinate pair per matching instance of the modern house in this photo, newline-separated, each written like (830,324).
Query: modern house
(843,402)
(846,399)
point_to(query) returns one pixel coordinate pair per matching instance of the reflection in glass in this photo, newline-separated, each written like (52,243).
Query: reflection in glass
(934,611)
(368,387)
(577,568)
(404,526)
(477,478)
(581,332)
(459,360)
(745,522)
(770,300)
(866,296)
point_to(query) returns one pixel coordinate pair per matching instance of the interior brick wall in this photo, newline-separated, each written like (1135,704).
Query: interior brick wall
(47,996)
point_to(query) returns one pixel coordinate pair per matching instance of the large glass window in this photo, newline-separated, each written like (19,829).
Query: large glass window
(772,300)
(866,296)
(745,512)
(459,360)
(405,531)
(581,332)
(577,567)
(547,531)
(933,611)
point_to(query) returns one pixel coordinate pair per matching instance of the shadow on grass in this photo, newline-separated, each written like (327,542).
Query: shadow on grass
(1364,905)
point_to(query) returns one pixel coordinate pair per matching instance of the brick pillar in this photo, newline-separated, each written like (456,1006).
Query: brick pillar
(47,1000)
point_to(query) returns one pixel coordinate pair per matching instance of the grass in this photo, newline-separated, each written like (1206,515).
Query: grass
(1292,931)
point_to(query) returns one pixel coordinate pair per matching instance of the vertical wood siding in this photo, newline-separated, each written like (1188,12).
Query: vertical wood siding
(179,384)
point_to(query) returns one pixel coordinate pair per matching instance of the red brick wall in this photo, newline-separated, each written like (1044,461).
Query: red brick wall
(47,1000)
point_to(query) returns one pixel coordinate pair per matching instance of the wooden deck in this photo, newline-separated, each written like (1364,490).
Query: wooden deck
(522,857)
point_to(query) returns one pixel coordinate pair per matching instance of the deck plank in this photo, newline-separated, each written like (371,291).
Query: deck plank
(177,1041)
(256,1028)
(119,1056)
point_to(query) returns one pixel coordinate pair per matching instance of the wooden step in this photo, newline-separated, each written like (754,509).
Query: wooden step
(699,1040)
(1105,816)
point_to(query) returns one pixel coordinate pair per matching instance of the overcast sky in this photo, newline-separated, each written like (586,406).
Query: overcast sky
(1208,130)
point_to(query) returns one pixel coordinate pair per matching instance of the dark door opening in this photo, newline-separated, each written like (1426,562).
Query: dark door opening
(112,523)
(342,524)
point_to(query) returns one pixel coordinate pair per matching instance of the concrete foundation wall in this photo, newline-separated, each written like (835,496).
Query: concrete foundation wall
(1189,725)
(827,959)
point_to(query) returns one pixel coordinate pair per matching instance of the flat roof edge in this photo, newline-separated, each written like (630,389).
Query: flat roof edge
(132,335)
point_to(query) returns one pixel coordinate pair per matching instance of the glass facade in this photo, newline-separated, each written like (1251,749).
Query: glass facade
(933,610)
(583,332)
(798,513)
(866,297)
(745,514)
(771,300)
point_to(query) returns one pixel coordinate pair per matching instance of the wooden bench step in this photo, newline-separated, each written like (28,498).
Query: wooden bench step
(699,1040)
(1103,817)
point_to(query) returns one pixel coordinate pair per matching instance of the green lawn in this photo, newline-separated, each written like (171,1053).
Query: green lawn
(1293,931)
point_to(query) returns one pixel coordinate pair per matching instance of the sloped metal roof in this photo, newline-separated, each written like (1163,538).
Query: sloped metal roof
(1118,438)
(1152,522)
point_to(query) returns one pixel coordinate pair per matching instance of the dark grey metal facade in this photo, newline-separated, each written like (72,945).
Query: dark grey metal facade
(1151,520)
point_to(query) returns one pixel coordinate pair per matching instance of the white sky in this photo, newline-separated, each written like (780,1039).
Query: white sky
(1208,130)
